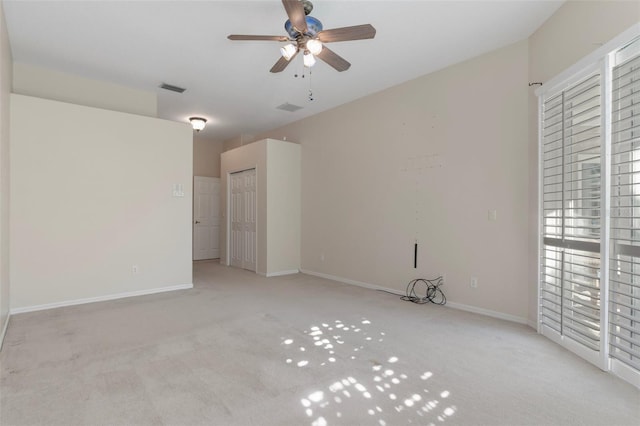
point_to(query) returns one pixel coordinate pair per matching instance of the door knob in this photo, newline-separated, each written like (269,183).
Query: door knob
(197,221)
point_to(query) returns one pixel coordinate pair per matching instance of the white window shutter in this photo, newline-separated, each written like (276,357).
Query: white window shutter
(624,275)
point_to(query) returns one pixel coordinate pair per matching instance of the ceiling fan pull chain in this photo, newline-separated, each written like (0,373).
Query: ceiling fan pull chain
(310,91)
(304,69)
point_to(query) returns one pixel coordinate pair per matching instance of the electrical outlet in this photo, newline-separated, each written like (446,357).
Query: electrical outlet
(474,282)
(135,269)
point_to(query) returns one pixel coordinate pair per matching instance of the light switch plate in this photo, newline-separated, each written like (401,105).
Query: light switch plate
(178,190)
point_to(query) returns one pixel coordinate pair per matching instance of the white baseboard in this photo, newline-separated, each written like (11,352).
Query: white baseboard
(346,280)
(4,330)
(100,298)
(625,372)
(281,273)
(488,312)
(460,306)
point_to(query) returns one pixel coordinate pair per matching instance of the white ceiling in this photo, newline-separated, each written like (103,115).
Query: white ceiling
(144,43)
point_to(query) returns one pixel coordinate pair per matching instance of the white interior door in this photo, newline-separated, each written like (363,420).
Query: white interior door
(243,215)
(206,218)
(250,240)
(236,184)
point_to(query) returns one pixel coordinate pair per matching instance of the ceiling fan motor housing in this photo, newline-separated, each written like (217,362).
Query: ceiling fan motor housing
(314,26)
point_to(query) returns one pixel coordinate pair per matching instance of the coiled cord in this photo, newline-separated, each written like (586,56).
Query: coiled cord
(433,293)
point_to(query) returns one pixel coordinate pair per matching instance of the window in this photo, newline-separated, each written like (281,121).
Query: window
(624,284)
(571,138)
(589,298)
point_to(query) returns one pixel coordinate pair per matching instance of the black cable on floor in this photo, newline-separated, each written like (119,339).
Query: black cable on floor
(432,291)
(390,292)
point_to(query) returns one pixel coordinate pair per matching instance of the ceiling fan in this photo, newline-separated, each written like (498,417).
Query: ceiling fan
(306,35)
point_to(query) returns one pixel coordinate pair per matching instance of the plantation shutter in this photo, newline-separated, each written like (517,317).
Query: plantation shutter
(571,198)
(624,279)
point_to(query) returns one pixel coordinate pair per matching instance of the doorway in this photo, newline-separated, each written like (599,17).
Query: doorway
(206,218)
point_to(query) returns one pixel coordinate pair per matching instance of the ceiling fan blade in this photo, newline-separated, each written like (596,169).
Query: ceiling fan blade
(357,32)
(333,59)
(295,11)
(282,63)
(257,37)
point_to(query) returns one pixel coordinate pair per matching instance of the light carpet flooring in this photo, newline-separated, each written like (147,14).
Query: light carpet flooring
(240,349)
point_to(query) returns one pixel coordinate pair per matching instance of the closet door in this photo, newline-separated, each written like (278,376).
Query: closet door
(236,184)
(243,214)
(249,220)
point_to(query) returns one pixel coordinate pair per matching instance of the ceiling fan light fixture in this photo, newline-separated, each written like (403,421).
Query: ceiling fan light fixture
(314,46)
(308,59)
(198,123)
(288,51)
(306,34)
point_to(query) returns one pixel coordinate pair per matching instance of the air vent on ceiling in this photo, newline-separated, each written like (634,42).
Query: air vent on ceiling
(289,107)
(172,88)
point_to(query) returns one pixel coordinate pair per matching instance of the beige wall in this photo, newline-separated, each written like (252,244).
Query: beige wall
(5,96)
(49,84)
(575,30)
(206,156)
(277,165)
(238,141)
(91,197)
(426,159)
(283,207)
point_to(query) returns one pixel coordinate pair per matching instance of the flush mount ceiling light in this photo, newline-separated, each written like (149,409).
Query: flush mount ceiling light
(198,123)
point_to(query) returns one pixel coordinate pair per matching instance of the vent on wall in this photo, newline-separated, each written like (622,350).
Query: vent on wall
(289,107)
(172,88)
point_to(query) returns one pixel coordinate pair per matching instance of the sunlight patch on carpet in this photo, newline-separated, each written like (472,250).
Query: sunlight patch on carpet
(386,393)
